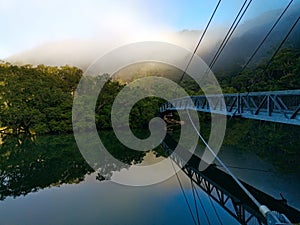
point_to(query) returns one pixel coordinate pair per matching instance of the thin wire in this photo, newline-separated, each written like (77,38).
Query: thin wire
(212,204)
(200,40)
(277,50)
(223,165)
(282,42)
(186,200)
(247,168)
(268,34)
(230,32)
(195,202)
(237,16)
(207,218)
(202,36)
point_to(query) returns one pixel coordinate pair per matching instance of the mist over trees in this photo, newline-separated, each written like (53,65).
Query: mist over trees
(37,100)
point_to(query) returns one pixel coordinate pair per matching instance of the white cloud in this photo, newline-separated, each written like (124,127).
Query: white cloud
(64,29)
(27,24)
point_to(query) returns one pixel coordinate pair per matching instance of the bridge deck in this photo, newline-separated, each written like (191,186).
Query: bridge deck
(274,106)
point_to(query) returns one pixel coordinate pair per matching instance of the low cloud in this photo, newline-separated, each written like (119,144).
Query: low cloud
(82,52)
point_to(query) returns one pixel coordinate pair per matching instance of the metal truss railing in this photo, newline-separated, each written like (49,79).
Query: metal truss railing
(274,106)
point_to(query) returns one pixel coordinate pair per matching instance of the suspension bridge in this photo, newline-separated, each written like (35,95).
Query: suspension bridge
(243,202)
(273,106)
(247,203)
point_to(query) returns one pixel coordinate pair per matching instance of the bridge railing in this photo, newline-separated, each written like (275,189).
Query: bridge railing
(274,106)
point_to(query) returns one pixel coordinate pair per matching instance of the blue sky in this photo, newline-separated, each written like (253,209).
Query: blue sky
(27,24)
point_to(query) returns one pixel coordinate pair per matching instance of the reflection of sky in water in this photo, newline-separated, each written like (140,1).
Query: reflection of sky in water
(262,175)
(144,174)
(94,202)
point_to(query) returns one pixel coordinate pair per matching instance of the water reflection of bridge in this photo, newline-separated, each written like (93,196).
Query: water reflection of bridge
(220,187)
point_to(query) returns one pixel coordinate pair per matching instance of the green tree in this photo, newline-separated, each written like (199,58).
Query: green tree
(37,99)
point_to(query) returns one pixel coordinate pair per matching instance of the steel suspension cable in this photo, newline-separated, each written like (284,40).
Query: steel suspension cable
(266,36)
(184,195)
(216,212)
(282,42)
(230,32)
(223,165)
(200,40)
(205,213)
(195,202)
(277,50)
(226,36)
(247,168)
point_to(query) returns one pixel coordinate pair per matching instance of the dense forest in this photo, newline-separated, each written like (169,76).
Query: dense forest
(38,100)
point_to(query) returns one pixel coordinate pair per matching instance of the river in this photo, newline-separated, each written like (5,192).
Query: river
(46,181)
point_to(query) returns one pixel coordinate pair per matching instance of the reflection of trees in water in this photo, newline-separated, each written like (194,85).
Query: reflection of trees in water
(28,165)
(118,156)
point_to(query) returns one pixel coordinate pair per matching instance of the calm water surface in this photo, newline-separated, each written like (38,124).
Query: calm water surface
(46,181)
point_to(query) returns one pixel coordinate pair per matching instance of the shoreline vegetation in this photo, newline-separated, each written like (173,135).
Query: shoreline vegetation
(37,100)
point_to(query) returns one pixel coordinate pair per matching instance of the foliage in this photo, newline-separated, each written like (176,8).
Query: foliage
(282,73)
(37,99)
